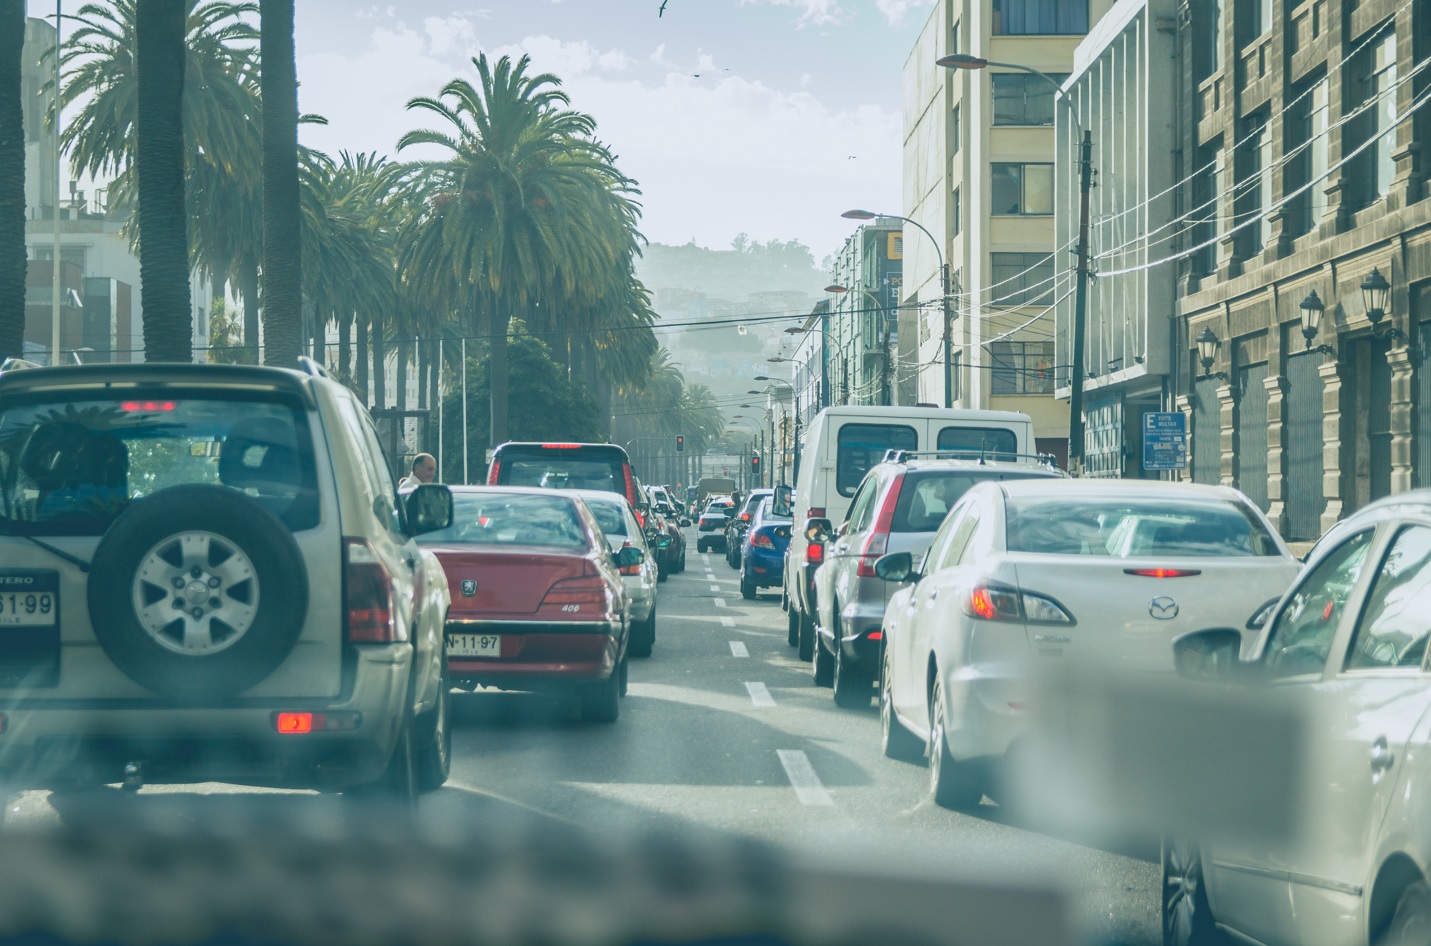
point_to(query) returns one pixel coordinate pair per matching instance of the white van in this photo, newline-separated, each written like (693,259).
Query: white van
(842,443)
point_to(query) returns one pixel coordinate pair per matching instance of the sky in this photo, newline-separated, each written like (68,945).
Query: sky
(764,117)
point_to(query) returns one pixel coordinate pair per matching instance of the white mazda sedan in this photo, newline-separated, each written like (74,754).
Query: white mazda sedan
(1028,572)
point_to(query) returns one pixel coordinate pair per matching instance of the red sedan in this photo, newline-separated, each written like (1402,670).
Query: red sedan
(537,598)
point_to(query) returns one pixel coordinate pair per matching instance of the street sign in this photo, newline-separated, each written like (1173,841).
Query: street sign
(1165,440)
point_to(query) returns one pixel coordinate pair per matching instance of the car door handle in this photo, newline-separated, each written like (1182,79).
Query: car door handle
(1382,758)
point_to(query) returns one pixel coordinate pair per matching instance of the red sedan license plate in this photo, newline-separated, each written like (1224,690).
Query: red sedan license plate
(474,645)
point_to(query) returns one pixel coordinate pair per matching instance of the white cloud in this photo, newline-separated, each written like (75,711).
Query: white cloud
(814,12)
(448,34)
(567,60)
(895,10)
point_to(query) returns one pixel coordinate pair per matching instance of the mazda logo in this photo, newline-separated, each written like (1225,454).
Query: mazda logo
(1163,608)
(469,587)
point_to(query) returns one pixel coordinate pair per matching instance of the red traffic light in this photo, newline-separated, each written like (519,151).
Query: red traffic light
(755,461)
(680,443)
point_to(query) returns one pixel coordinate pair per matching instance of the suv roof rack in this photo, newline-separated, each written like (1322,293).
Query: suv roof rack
(17,364)
(311,367)
(980,456)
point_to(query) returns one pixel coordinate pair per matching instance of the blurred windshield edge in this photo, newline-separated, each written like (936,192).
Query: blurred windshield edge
(280,884)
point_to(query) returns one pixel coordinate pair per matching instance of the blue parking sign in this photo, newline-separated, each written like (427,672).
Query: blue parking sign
(1165,440)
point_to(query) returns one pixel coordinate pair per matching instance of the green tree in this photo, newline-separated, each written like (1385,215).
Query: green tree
(12,180)
(282,214)
(159,168)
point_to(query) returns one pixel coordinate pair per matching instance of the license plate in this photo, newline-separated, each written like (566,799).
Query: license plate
(28,599)
(474,645)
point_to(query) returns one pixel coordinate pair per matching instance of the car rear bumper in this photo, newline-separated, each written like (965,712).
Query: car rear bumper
(540,656)
(764,568)
(987,710)
(61,743)
(856,621)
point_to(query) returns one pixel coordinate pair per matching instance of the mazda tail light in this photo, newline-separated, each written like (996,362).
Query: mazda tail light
(878,541)
(998,603)
(367,595)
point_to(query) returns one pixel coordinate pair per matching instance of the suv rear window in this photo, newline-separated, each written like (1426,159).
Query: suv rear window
(70,466)
(860,446)
(591,466)
(926,496)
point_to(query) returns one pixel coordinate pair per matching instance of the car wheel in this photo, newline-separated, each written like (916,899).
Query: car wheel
(700,548)
(952,784)
(792,626)
(852,687)
(897,742)
(1411,924)
(1187,917)
(625,669)
(601,700)
(397,788)
(197,592)
(661,573)
(643,636)
(747,587)
(824,664)
(434,758)
(807,637)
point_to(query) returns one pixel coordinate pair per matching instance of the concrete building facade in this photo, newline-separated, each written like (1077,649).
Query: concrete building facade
(863,327)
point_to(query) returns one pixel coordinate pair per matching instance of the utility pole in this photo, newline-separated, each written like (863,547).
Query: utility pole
(1080,310)
(948,327)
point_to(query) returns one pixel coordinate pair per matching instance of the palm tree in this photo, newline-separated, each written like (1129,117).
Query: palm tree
(516,202)
(282,221)
(12,181)
(159,167)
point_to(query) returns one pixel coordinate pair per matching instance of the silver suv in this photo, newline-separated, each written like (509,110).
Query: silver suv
(897,508)
(206,574)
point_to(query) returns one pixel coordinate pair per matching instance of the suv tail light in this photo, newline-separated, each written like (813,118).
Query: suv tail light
(761,541)
(587,594)
(878,541)
(495,472)
(815,553)
(367,595)
(998,603)
(630,483)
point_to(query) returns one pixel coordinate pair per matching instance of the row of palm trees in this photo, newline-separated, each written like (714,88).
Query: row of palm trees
(512,207)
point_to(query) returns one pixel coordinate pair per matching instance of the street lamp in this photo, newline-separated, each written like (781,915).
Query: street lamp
(1207,347)
(795,410)
(1375,295)
(1310,312)
(1080,293)
(943,288)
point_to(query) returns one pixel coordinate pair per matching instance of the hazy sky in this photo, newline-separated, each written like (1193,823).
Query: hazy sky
(768,117)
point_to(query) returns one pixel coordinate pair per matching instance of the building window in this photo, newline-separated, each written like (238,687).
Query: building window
(956,129)
(958,215)
(1209,41)
(1254,19)
(1022,367)
(1022,279)
(1253,199)
(1307,157)
(1370,84)
(1040,17)
(1021,99)
(1022,189)
(68,254)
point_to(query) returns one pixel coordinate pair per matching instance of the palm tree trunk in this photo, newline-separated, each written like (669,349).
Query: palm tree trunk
(159,27)
(248,288)
(320,334)
(282,262)
(402,355)
(345,344)
(498,371)
(362,372)
(380,369)
(12,181)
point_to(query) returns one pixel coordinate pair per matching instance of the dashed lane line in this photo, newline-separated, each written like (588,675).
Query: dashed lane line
(803,779)
(715,587)
(759,695)
(738,649)
(727,622)
(718,602)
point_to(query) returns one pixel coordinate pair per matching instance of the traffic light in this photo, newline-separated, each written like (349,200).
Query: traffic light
(680,444)
(755,462)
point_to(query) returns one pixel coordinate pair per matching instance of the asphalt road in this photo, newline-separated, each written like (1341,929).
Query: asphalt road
(722,735)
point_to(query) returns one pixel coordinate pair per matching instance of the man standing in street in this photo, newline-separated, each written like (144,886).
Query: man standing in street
(424,470)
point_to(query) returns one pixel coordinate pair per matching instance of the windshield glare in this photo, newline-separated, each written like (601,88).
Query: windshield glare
(1121,529)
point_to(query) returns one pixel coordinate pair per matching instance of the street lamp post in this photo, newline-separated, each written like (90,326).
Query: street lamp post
(794,410)
(1080,291)
(943,289)
(884,385)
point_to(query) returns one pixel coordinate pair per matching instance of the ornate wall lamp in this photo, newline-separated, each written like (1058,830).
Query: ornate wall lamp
(1375,295)
(1207,347)
(1311,310)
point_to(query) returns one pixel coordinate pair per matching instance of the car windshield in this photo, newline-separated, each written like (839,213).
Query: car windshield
(1121,529)
(71,466)
(500,519)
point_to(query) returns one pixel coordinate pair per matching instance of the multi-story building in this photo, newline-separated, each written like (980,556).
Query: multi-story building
(978,176)
(1121,93)
(863,329)
(1304,257)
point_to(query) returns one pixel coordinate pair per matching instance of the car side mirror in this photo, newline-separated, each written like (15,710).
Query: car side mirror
(662,541)
(1212,654)
(896,566)
(818,530)
(429,508)
(629,556)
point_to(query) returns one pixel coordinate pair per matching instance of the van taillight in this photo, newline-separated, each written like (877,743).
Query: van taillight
(587,595)
(815,553)
(495,472)
(815,512)
(367,595)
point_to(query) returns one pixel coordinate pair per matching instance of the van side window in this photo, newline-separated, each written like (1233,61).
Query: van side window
(858,447)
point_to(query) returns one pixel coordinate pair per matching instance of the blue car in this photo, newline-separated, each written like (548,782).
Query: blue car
(762,551)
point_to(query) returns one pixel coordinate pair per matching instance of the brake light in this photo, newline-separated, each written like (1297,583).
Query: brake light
(496,470)
(630,483)
(761,541)
(875,636)
(629,569)
(745,517)
(995,603)
(132,406)
(368,595)
(815,553)
(561,446)
(640,519)
(575,595)
(878,542)
(293,723)
(298,724)
(1162,572)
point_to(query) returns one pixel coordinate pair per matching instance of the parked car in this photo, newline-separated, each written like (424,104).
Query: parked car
(540,603)
(897,508)
(710,527)
(1345,645)
(762,555)
(603,466)
(736,526)
(218,560)
(1025,568)
(618,521)
(843,443)
(818,533)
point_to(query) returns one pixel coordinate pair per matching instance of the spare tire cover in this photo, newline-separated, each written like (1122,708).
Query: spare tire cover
(197,592)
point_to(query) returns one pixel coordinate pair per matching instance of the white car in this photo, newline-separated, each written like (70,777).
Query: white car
(1025,571)
(1346,648)
(618,521)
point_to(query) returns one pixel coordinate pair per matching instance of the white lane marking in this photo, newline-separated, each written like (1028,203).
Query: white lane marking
(737,649)
(759,695)
(718,602)
(715,587)
(727,622)
(710,575)
(803,778)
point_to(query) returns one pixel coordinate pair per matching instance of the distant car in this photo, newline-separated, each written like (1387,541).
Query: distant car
(618,521)
(762,554)
(897,507)
(1023,568)
(735,528)
(555,465)
(538,599)
(710,527)
(1347,644)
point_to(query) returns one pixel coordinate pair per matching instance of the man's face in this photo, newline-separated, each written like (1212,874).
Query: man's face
(426,470)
